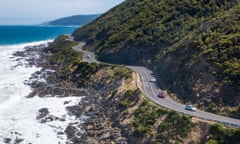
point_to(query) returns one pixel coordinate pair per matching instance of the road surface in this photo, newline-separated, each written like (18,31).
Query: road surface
(151,91)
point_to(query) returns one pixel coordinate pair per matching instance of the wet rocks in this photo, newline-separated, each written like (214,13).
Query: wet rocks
(42,113)
(95,124)
(7,140)
(16,140)
(44,116)
(75,110)
(74,134)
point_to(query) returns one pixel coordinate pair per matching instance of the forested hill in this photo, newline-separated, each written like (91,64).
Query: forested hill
(73,20)
(192,46)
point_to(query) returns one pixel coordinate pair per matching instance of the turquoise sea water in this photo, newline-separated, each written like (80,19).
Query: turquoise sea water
(25,34)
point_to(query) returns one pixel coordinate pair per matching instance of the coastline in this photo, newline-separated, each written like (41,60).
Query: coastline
(55,109)
(14,70)
(114,105)
(86,117)
(79,102)
(43,116)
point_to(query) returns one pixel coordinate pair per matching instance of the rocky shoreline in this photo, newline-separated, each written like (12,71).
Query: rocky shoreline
(95,124)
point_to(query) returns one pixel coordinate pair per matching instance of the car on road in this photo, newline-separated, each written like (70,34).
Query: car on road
(190,108)
(153,80)
(162,94)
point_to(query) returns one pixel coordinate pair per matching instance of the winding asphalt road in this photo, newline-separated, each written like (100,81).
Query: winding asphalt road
(151,91)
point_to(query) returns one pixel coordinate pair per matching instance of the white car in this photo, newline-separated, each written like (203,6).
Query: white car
(153,80)
(190,108)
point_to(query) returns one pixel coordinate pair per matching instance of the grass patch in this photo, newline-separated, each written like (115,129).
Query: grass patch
(63,53)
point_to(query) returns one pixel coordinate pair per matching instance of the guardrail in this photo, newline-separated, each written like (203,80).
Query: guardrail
(202,118)
(233,125)
(220,122)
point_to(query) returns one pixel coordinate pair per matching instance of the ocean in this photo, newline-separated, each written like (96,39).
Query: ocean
(25,34)
(18,113)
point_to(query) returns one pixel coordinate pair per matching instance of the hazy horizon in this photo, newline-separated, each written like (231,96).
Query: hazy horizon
(31,21)
(27,12)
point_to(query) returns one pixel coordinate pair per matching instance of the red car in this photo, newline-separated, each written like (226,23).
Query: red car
(162,94)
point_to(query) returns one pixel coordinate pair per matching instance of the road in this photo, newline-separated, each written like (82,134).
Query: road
(151,91)
(87,55)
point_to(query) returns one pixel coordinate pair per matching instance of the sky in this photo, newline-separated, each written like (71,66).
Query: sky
(38,11)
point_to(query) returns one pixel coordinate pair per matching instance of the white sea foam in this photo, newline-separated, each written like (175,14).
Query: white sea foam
(18,113)
(19,122)
(13,73)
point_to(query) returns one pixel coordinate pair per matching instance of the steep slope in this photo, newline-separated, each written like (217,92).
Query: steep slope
(117,110)
(73,20)
(192,46)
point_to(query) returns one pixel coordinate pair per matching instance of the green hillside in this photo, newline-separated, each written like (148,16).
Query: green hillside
(120,110)
(73,20)
(192,46)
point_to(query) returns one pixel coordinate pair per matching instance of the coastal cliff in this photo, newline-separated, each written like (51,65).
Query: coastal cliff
(192,47)
(116,109)
(54,92)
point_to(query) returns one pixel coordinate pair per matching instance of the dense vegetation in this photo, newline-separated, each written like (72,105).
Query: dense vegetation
(147,123)
(192,46)
(82,75)
(160,125)
(220,135)
(63,53)
(153,124)
(73,20)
